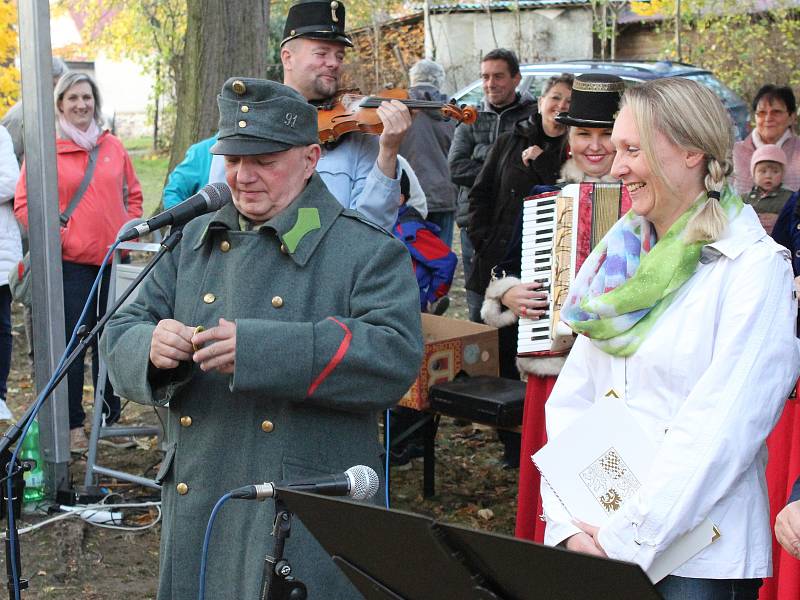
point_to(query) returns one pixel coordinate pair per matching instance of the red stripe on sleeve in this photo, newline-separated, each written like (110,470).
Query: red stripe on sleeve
(337,358)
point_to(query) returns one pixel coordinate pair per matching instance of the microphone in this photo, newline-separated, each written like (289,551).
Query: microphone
(211,198)
(359,483)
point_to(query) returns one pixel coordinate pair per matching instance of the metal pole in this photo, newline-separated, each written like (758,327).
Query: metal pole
(45,242)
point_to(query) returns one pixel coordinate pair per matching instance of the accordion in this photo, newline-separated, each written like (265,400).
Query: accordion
(559,230)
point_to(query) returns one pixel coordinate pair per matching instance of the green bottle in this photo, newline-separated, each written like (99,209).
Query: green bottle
(34,479)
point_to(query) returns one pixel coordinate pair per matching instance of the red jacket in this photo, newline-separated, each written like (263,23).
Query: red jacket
(113,197)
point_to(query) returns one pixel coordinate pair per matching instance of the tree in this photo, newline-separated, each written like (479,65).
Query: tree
(224,38)
(9,75)
(148,32)
(743,44)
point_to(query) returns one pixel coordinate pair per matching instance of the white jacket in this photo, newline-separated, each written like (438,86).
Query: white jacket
(708,385)
(10,243)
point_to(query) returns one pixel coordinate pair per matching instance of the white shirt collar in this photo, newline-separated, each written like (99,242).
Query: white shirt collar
(744,231)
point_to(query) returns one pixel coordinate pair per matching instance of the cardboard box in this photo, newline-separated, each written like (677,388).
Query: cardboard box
(451,346)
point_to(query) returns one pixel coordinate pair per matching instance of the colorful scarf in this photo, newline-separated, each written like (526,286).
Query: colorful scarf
(629,280)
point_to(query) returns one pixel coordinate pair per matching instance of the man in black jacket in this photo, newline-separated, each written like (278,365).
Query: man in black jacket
(502,106)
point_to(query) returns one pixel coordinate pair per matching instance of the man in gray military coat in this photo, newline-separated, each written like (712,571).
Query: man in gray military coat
(312,327)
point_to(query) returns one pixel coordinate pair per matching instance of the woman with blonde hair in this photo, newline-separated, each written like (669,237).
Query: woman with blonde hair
(685,311)
(94,204)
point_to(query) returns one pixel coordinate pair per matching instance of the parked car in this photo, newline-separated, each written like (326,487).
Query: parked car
(633,72)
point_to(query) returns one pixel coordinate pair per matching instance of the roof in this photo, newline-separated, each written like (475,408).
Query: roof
(445,7)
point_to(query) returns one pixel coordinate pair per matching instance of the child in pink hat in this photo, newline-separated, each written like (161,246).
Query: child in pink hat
(768,195)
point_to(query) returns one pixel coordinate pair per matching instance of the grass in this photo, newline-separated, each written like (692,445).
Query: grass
(151,169)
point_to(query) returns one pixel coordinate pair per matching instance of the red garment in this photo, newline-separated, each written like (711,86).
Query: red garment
(534,436)
(783,468)
(102,211)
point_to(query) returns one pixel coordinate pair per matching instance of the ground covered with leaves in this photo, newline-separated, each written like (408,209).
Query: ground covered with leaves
(70,559)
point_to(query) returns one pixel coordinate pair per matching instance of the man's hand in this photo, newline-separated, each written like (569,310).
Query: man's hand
(787,528)
(396,119)
(217,347)
(525,301)
(170,344)
(586,541)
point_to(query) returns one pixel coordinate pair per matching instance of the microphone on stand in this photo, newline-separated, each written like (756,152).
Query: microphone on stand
(359,483)
(209,199)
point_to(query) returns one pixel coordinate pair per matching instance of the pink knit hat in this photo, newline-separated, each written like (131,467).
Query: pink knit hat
(770,152)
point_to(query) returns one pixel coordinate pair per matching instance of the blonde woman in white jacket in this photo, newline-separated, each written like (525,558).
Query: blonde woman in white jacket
(10,254)
(686,311)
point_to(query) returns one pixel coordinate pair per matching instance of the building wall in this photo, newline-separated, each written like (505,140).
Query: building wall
(461,39)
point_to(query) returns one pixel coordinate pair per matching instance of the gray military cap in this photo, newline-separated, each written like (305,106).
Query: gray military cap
(258,116)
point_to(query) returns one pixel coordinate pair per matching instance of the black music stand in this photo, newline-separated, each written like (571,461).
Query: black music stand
(395,555)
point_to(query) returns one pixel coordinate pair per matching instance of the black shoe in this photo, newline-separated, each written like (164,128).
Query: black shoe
(440,306)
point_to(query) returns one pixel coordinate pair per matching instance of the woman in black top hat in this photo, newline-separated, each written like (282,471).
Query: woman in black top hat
(595,101)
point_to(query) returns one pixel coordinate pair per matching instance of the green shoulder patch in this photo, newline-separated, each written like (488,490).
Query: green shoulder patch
(307,221)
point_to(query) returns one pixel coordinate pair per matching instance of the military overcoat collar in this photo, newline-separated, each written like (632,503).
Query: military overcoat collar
(300,227)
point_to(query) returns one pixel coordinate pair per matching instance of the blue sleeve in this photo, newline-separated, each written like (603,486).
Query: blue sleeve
(190,175)
(795,495)
(786,232)
(350,172)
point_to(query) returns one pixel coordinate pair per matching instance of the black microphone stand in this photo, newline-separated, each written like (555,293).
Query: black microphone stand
(278,582)
(13,433)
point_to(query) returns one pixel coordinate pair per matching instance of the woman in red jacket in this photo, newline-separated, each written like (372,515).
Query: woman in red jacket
(112,198)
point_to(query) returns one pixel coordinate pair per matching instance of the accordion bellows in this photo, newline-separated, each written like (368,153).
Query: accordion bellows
(559,230)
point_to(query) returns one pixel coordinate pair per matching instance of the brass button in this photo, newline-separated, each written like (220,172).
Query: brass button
(267,426)
(225,245)
(277,302)
(245,108)
(186,421)
(285,251)
(292,32)
(209,298)
(239,87)
(182,489)
(242,124)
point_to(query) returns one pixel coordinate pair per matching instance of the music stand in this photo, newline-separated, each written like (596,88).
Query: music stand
(396,555)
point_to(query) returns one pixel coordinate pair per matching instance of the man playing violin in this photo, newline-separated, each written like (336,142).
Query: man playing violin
(360,171)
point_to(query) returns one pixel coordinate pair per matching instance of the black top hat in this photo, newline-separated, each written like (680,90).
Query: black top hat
(316,20)
(595,101)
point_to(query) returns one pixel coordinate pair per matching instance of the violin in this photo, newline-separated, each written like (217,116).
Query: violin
(350,111)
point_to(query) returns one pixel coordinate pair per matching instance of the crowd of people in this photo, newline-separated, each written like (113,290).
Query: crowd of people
(311,270)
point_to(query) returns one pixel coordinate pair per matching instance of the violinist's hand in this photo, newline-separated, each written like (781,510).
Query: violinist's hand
(525,301)
(396,119)
(530,154)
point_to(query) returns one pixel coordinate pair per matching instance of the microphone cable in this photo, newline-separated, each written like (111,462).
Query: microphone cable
(388,444)
(12,538)
(206,540)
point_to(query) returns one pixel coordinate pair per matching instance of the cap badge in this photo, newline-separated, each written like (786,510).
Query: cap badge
(334,6)
(290,120)
(239,87)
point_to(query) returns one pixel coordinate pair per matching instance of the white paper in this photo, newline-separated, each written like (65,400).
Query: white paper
(598,462)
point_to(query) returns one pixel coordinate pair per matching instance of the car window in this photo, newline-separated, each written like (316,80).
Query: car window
(728,97)
(473,97)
